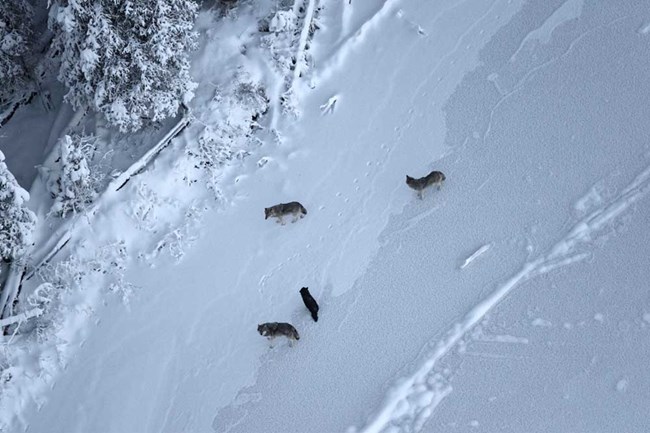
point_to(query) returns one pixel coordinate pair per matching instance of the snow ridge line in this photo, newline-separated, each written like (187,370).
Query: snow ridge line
(412,400)
(345,48)
(304,39)
(63,234)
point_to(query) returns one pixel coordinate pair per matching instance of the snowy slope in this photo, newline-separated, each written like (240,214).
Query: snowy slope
(515,293)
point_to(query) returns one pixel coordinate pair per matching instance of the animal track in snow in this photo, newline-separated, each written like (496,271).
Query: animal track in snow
(414,26)
(328,107)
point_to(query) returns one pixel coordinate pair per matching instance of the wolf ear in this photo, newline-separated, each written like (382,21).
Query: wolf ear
(266,213)
(408,178)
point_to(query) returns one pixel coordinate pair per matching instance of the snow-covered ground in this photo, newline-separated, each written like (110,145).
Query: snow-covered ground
(513,299)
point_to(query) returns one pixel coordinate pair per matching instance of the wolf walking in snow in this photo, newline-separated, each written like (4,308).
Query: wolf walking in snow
(310,303)
(279,210)
(271,330)
(433,178)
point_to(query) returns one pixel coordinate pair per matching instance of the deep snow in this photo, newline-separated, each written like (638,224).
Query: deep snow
(513,299)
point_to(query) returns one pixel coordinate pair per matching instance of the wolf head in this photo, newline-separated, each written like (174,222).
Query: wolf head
(410,181)
(304,291)
(263,330)
(267,213)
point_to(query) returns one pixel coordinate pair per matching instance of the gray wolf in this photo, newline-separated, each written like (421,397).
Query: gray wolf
(279,210)
(271,330)
(433,178)
(310,303)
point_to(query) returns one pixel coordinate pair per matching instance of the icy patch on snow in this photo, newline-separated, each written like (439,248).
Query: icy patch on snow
(644,29)
(565,252)
(571,9)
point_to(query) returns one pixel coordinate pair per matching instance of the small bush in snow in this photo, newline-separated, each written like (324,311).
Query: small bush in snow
(126,59)
(71,183)
(289,54)
(16,220)
(179,238)
(104,266)
(229,135)
(282,39)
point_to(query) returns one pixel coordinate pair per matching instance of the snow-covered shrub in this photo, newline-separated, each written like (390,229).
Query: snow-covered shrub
(126,59)
(237,110)
(104,266)
(178,238)
(226,7)
(288,49)
(15,33)
(72,183)
(16,220)
(281,40)
(39,347)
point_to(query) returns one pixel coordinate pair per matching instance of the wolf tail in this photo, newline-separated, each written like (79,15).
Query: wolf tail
(314,315)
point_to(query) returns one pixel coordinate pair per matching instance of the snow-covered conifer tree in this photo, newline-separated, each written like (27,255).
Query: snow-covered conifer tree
(127,59)
(16,220)
(72,184)
(15,32)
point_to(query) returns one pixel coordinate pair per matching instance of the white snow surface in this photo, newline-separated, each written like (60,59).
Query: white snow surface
(513,299)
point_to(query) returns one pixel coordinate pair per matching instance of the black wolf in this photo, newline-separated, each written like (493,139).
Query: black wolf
(310,303)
